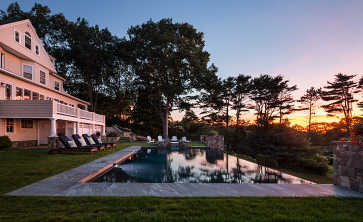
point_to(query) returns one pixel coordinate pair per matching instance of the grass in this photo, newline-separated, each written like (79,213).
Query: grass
(179,209)
(308,175)
(22,167)
(196,143)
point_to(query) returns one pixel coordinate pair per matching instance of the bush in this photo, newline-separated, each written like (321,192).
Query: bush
(124,138)
(5,142)
(113,134)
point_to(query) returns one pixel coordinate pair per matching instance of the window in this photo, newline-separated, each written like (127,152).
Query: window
(28,40)
(42,77)
(2,61)
(27,94)
(8,90)
(28,72)
(41,97)
(37,50)
(26,123)
(9,125)
(56,85)
(19,93)
(35,96)
(17,38)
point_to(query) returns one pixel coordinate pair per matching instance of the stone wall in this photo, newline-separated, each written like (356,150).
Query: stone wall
(348,165)
(23,144)
(214,142)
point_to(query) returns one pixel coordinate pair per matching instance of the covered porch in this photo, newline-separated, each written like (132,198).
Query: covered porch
(31,123)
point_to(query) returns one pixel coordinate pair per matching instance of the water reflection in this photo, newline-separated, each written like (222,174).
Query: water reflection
(192,166)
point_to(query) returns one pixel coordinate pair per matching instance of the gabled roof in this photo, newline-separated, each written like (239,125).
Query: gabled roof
(30,25)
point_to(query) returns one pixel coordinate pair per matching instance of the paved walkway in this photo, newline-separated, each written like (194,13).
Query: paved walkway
(66,184)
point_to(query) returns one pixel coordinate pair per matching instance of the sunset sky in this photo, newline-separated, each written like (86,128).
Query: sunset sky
(306,41)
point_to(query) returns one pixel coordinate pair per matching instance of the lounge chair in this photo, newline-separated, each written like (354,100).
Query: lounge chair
(184,140)
(70,145)
(150,140)
(81,143)
(160,139)
(98,140)
(174,139)
(90,142)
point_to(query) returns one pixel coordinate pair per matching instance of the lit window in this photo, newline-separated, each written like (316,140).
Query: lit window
(8,90)
(37,50)
(26,123)
(42,77)
(9,125)
(19,93)
(28,40)
(27,94)
(28,72)
(17,36)
(56,85)
(35,96)
(2,61)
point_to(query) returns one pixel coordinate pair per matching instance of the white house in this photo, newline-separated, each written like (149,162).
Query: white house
(33,104)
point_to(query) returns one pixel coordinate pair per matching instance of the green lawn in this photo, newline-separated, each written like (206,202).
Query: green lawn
(110,209)
(21,167)
(308,175)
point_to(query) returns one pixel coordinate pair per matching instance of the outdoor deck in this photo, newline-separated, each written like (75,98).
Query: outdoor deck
(47,109)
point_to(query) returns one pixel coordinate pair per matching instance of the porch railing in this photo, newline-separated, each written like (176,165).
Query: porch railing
(84,114)
(99,118)
(66,110)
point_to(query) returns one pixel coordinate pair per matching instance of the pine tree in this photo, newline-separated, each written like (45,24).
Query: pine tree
(339,95)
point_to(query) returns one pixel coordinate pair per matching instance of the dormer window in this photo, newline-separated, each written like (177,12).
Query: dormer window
(37,50)
(28,40)
(56,85)
(17,37)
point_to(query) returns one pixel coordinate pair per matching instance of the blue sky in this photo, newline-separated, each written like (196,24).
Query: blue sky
(307,41)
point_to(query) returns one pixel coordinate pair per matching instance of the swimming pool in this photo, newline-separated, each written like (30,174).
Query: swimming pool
(193,165)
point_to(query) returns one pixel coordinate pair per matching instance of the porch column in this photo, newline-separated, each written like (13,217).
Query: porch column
(53,127)
(52,139)
(93,128)
(103,130)
(77,127)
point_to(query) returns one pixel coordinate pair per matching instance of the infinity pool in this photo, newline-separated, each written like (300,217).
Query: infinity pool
(152,165)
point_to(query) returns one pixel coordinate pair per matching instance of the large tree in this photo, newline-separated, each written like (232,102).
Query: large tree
(339,96)
(267,93)
(360,89)
(170,58)
(308,100)
(240,96)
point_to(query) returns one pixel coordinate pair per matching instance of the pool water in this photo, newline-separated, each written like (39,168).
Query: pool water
(152,165)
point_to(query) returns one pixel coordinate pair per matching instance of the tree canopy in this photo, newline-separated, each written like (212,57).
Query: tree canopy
(169,58)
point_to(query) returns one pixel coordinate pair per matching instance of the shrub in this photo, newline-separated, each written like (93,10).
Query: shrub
(124,138)
(113,134)
(5,142)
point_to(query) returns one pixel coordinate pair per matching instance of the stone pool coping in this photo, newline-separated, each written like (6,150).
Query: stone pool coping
(69,183)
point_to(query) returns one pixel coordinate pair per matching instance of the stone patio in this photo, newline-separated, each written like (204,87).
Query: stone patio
(67,184)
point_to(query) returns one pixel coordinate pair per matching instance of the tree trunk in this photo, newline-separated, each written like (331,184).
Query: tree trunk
(237,116)
(165,122)
(309,127)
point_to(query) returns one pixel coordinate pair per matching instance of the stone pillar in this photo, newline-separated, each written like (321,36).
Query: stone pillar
(52,143)
(348,165)
(214,142)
